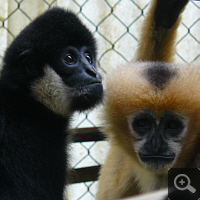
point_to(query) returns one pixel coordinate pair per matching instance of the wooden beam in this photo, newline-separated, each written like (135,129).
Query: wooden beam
(87,135)
(84,174)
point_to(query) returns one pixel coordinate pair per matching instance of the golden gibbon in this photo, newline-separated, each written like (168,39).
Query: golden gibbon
(151,116)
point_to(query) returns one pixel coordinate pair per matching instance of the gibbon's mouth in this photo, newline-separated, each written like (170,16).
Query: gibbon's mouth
(157,157)
(156,161)
(85,85)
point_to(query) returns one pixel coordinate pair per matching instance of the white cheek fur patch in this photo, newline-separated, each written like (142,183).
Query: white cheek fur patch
(51,91)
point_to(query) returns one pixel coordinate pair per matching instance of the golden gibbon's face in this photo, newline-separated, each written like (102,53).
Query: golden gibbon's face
(153,110)
(157,138)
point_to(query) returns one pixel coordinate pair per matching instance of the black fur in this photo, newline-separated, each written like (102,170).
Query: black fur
(159,74)
(33,138)
(167,12)
(52,29)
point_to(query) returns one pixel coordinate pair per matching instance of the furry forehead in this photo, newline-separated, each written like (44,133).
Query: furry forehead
(51,32)
(155,86)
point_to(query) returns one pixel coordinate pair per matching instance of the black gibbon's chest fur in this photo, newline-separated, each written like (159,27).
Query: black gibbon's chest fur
(32,154)
(49,72)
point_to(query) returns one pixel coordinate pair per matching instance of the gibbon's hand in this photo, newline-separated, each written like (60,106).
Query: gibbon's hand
(167,12)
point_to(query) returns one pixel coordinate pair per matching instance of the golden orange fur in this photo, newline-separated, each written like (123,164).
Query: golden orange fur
(158,44)
(134,93)
(123,174)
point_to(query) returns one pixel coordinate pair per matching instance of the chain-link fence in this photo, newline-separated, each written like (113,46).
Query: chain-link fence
(116,25)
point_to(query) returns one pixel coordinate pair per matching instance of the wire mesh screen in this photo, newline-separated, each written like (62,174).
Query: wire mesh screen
(116,26)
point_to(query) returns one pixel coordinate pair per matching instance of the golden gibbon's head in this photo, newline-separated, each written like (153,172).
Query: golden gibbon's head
(152,111)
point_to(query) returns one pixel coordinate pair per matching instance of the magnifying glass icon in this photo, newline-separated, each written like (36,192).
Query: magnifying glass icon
(182,182)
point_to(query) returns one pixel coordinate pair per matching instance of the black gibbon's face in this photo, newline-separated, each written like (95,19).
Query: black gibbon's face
(54,59)
(72,79)
(157,138)
(76,67)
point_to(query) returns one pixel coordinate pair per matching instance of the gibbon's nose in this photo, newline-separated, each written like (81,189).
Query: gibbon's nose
(92,72)
(156,144)
(99,78)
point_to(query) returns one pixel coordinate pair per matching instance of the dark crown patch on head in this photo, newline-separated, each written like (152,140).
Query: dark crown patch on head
(159,74)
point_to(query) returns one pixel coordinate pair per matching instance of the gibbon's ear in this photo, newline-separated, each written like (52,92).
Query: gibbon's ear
(24,56)
(26,60)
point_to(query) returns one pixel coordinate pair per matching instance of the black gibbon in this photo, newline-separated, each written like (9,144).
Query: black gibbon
(48,73)
(151,117)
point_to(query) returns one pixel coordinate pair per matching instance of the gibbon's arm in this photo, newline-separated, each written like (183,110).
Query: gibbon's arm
(117,176)
(158,34)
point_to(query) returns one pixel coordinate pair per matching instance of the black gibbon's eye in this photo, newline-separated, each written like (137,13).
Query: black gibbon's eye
(70,59)
(88,57)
